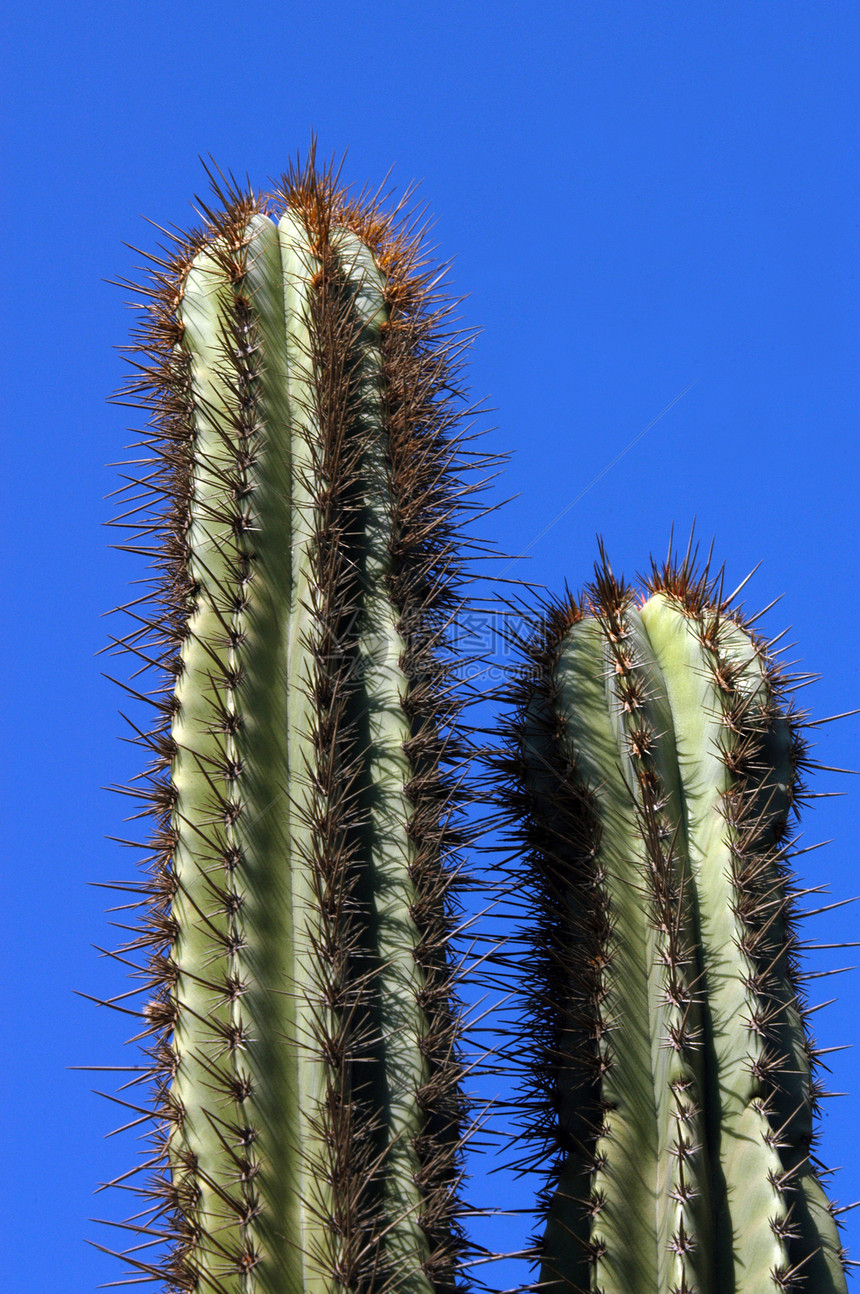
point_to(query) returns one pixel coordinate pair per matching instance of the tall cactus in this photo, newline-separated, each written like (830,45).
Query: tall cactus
(653,768)
(298,368)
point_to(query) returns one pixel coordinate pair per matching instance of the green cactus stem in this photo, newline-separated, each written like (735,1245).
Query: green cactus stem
(653,768)
(298,368)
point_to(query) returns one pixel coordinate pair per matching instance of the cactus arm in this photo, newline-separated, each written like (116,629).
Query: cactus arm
(654,765)
(308,489)
(751,1167)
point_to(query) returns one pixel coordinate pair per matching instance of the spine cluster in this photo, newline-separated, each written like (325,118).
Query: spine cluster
(652,770)
(305,491)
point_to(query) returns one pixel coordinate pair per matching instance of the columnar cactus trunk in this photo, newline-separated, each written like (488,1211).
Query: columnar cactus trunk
(654,767)
(305,1060)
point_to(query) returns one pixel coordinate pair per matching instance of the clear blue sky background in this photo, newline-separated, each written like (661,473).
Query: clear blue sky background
(637,196)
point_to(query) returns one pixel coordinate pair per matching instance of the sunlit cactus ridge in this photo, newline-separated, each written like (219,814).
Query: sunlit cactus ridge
(652,771)
(301,494)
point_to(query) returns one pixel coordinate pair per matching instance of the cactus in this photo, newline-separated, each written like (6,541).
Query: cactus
(304,485)
(299,371)
(653,764)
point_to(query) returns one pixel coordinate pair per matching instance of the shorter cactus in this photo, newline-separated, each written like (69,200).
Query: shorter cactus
(653,767)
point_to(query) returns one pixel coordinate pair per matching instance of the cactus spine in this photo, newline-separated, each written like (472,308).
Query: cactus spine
(304,1037)
(653,768)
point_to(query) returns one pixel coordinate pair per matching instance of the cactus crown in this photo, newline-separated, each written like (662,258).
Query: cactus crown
(301,497)
(653,767)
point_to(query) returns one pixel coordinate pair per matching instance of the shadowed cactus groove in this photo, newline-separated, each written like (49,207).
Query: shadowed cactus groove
(307,471)
(653,767)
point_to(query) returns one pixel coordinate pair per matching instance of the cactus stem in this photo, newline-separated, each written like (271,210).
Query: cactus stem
(301,494)
(652,768)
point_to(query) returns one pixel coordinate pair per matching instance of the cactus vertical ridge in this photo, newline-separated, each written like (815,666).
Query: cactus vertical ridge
(738,1120)
(302,1015)
(647,731)
(602,810)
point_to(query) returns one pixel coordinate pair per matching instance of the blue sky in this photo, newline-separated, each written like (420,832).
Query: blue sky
(652,213)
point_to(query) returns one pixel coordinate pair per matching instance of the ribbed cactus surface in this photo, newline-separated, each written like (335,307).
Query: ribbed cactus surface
(654,766)
(298,369)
